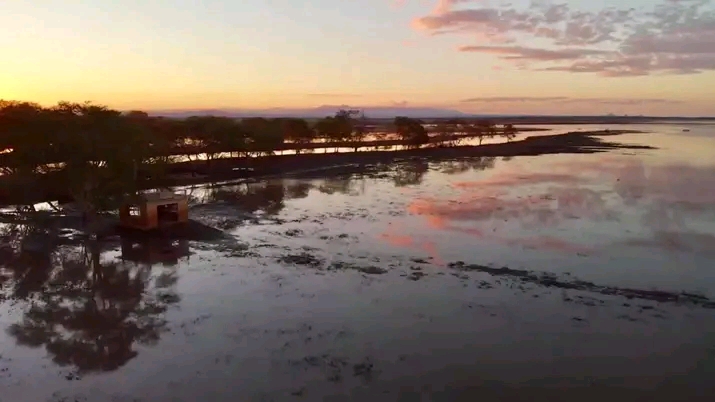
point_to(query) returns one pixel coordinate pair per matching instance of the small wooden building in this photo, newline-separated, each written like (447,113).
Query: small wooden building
(155,210)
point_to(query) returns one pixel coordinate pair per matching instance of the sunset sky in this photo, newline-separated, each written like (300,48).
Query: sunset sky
(652,57)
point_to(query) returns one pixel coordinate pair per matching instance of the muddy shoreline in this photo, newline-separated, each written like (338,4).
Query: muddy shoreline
(394,142)
(201,171)
(233,168)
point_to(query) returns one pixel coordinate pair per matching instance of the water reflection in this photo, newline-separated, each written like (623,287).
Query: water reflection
(674,204)
(236,201)
(298,190)
(28,255)
(467,164)
(410,173)
(346,184)
(265,196)
(86,310)
(154,250)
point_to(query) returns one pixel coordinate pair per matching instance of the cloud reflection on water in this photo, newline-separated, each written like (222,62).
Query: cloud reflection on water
(672,204)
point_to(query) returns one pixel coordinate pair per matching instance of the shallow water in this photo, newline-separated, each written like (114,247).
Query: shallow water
(579,276)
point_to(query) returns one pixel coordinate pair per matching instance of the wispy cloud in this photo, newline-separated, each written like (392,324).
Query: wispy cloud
(333,95)
(528,53)
(624,101)
(672,37)
(568,100)
(508,99)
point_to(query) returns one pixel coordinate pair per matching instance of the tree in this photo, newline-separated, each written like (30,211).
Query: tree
(215,135)
(509,131)
(103,153)
(324,127)
(344,125)
(298,131)
(410,173)
(28,131)
(264,135)
(411,130)
(173,133)
(137,115)
(359,130)
(486,130)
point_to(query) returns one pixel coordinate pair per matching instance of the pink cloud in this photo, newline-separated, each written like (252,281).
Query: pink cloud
(527,53)
(673,37)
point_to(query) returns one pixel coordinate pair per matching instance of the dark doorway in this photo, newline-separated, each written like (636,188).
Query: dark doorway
(168,213)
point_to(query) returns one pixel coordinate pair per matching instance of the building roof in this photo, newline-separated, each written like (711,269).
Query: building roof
(163,197)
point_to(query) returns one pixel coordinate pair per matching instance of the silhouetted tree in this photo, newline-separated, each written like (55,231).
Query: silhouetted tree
(298,131)
(410,173)
(360,130)
(338,128)
(445,134)
(411,130)
(265,135)
(103,153)
(509,132)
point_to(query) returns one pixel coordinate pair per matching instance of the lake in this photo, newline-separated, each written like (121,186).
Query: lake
(563,276)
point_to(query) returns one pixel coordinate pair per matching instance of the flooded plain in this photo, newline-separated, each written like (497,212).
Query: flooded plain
(532,278)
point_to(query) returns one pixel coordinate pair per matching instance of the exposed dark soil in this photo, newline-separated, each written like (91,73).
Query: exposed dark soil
(551,281)
(309,260)
(304,259)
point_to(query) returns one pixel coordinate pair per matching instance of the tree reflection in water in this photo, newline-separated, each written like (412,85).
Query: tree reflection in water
(467,164)
(266,196)
(27,270)
(87,312)
(298,190)
(347,185)
(410,173)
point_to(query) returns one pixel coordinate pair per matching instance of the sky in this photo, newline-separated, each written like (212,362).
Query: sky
(653,57)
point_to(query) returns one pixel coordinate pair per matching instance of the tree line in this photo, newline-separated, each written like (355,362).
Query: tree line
(46,134)
(97,154)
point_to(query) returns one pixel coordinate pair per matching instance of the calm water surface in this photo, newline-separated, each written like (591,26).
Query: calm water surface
(387,284)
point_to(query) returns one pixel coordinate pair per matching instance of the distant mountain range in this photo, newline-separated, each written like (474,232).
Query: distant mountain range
(376,112)
(389,112)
